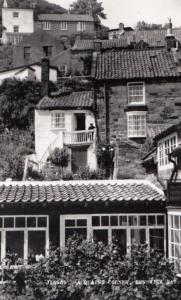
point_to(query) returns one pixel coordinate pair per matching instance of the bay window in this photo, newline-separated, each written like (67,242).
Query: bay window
(136,124)
(166,146)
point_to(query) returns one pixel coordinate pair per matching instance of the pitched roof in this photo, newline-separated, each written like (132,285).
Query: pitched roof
(169,130)
(153,129)
(65,17)
(83,45)
(83,100)
(79,191)
(135,64)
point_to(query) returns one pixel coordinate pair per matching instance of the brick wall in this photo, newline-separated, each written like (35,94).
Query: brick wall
(162,98)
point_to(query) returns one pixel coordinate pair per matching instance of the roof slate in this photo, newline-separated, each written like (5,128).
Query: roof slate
(83,100)
(65,17)
(84,45)
(135,64)
(121,190)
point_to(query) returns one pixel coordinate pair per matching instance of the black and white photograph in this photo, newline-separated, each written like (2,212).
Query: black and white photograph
(90,150)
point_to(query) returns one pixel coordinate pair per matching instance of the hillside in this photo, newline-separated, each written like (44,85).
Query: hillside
(42,6)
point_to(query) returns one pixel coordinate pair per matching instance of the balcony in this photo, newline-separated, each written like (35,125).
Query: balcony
(83,137)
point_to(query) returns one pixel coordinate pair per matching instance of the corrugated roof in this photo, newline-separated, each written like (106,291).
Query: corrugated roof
(83,100)
(135,64)
(65,17)
(75,191)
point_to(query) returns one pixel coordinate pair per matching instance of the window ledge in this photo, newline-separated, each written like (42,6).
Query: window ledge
(136,107)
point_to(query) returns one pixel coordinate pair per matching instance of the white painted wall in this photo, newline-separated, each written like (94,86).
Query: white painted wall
(52,73)
(24,21)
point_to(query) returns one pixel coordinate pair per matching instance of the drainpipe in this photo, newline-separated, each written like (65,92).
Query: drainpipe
(106,99)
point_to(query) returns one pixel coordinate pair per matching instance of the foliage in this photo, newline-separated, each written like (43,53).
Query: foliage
(13,151)
(60,158)
(18,100)
(91,270)
(142,25)
(102,33)
(85,173)
(73,84)
(105,157)
(92,7)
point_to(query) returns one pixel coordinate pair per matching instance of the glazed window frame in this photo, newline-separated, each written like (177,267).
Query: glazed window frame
(136,93)
(16,28)
(57,120)
(15,14)
(174,238)
(81,26)
(136,225)
(136,124)
(164,147)
(46,25)
(25,229)
(63,25)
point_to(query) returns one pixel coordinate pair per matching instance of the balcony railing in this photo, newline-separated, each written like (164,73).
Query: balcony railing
(79,137)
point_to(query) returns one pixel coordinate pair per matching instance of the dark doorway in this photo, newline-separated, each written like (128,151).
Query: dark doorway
(79,158)
(80,121)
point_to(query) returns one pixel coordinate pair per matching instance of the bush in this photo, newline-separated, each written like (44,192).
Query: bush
(85,173)
(90,270)
(60,158)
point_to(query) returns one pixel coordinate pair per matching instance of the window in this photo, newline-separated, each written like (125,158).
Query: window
(63,25)
(15,14)
(165,147)
(27,52)
(136,93)
(136,124)
(16,28)
(174,237)
(25,235)
(46,26)
(81,26)
(47,50)
(58,120)
(63,70)
(125,229)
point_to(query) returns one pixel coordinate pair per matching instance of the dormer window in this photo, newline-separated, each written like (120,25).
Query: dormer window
(136,93)
(57,120)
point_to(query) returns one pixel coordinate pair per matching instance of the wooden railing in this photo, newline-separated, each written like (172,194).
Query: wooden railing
(79,137)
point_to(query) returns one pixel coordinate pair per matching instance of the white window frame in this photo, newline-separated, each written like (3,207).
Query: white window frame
(63,69)
(165,146)
(132,95)
(17,28)
(15,14)
(63,25)
(131,126)
(127,227)
(46,25)
(58,120)
(24,229)
(81,26)
(174,232)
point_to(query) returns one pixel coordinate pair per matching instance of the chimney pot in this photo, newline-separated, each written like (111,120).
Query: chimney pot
(170,41)
(121,26)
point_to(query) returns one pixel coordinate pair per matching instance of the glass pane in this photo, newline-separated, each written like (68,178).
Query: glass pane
(31,222)
(151,220)
(177,252)
(123,220)
(95,221)
(20,222)
(172,250)
(114,220)
(142,220)
(172,221)
(177,235)
(8,222)
(42,222)
(70,232)
(101,236)
(132,220)
(157,239)
(69,223)
(119,237)
(104,221)
(138,236)
(36,243)
(82,223)
(1,222)
(160,220)
(172,237)
(176,221)
(15,243)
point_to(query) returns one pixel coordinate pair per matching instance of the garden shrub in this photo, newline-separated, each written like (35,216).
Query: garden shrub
(90,270)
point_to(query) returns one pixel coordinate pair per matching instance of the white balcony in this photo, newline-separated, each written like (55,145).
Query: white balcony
(83,137)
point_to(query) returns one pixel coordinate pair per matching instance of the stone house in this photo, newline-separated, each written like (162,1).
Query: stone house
(16,24)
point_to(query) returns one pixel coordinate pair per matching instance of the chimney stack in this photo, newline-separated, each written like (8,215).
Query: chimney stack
(45,76)
(170,41)
(97,45)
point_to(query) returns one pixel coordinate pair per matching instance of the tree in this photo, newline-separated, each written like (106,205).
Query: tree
(142,25)
(89,7)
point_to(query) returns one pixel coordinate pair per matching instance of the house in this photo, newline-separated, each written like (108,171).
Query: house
(16,24)
(137,90)
(35,215)
(65,25)
(32,48)
(30,72)
(63,121)
(116,33)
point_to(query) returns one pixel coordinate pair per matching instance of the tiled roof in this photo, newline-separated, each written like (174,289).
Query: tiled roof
(65,17)
(106,44)
(83,99)
(75,191)
(135,64)
(153,38)
(155,129)
(169,130)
